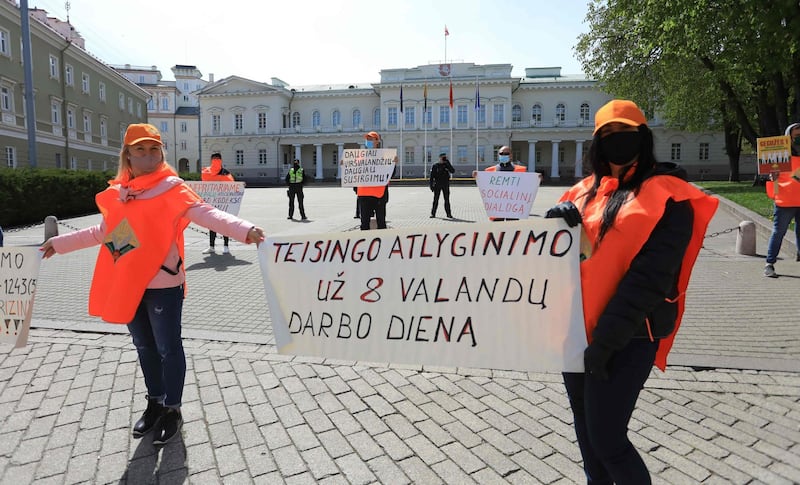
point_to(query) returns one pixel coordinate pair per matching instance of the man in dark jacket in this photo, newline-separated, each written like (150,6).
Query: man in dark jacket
(295,179)
(440,183)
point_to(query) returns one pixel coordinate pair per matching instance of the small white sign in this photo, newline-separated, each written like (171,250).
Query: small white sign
(225,196)
(367,167)
(508,194)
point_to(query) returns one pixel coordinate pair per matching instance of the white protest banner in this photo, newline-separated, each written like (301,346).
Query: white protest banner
(508,194)
(487,295)
(367,167)
(225,196)
(19,268)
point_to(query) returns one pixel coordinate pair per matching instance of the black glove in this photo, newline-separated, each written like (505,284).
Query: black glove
(567,211)
(595,360)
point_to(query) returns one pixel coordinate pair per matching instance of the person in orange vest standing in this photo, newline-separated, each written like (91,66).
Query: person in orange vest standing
(504,164)
(372,200)
(139,273)
(644,225)
(787,204)
(216,173)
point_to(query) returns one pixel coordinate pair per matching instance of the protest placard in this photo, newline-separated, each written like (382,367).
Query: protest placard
(367,167)
(19,269)
(508,194)
(225,196)
(774,154)
(500,296)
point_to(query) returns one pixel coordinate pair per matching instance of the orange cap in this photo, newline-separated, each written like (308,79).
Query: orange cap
(619,111)
(372,135)
(139,132)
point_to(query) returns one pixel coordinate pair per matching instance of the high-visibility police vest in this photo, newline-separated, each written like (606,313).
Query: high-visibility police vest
(296,175)
(603,270)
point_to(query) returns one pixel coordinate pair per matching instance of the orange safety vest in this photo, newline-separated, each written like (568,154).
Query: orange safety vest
(517,168)
(373,191)
(788,187)
(603,270)
(139,234)
(211,174)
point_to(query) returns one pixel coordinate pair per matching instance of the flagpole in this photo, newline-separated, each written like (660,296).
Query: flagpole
(425,129)
(402,122)
(477,111)
(451,120)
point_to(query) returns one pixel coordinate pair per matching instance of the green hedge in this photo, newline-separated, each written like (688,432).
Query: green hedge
(28,195)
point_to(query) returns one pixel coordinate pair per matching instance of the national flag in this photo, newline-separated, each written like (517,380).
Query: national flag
(477,96)
(446,32)
(401,98)
(425,95)
(451,94)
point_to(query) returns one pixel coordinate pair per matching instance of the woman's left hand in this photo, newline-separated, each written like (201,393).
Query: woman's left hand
(255,235)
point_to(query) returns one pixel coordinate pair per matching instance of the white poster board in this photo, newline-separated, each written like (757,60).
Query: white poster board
(487,295)
(508,194)
(367,167)
(225,196)
(19,269)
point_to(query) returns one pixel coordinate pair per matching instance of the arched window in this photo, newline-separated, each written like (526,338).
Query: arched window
(536,114)
(315,118)
(376,118)
(585,112)
(516,113)
(561,112)
(356,118)
(295,119)
(336,118)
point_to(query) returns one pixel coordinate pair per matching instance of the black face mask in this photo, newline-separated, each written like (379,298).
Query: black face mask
(620,148)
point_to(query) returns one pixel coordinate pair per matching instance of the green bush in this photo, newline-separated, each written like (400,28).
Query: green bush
(28,195)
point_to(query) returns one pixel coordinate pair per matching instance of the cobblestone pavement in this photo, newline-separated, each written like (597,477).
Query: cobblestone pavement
(727,410)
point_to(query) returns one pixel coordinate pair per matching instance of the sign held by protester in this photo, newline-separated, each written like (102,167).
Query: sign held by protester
(19,269)
(774,154)
(508,194)
(367,167)
(225,196)
(500,296)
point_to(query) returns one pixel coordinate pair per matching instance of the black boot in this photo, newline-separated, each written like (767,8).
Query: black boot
(149,418)
(169,427)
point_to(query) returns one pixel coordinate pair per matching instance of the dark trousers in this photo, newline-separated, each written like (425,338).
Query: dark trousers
(372,205)
(156,333)
(601,411)
(296,190)
(445,191)
(212,237)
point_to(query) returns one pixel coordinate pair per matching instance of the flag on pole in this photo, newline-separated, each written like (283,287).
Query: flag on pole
(401,98)
(425,95)
(451,94)
(446,32)
(477,96)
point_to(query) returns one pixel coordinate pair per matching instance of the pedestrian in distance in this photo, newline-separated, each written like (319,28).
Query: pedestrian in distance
(504,164)
(787,204)
(645,225)
(295,179)
(216,173)
(440,184)
(139,273)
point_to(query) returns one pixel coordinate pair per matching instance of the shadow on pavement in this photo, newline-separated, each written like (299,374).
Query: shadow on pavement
(219,263)
(146,467)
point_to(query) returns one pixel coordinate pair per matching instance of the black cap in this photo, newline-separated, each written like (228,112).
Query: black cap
(216,155)
(442,155)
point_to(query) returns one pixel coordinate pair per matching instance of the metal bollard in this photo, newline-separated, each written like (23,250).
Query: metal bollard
(746,238)
(50,227)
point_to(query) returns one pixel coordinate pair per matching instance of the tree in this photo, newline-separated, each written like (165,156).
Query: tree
(730,65)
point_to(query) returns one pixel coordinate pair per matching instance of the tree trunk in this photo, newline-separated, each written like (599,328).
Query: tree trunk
(733,146)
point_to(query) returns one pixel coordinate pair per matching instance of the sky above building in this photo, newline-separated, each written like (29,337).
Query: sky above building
(325,41)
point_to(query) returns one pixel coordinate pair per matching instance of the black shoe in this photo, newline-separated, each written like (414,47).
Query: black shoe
(169,427)
(449,216)
(304,218)
(432,216)
(290,217)
(149,418)
(797,258)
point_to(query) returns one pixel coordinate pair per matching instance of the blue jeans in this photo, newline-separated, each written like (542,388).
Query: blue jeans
(780,223)
(602,410)
(156,333)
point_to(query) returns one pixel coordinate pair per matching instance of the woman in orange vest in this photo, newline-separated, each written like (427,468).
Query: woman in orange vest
(139,274)
(644,226)
(216,173)
(787,204)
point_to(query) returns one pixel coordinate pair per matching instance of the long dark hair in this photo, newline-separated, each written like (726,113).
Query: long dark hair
(628,184)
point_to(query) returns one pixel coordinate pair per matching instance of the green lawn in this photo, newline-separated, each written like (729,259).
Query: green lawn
(744,194)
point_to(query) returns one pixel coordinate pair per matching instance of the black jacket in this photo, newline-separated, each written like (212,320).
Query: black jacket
(651,280)
(440,174)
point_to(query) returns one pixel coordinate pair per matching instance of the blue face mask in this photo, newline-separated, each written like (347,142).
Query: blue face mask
(369,144)
(503,158)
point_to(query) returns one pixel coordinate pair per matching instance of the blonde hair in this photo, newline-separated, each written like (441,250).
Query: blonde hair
(124,166)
